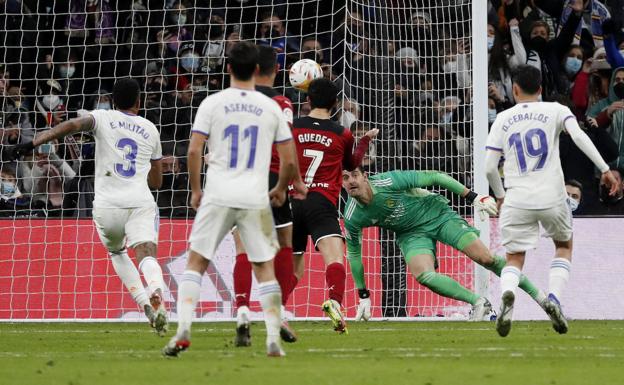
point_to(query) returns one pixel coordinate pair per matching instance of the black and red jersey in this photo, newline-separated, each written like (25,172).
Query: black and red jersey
(287,108)
(324,149)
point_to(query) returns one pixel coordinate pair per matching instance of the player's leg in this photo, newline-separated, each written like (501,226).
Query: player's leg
(557,223)
(257,232)
(209,228)
(242,292)
(285,275)
(110,224)
(142,234)
(332,249)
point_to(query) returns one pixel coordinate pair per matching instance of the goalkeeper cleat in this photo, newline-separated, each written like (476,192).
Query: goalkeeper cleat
(332,309)
(243,329)
(176,346)
(160,324)
(553,309)
(287,334)
(275,350)
(480,310)
(503,322)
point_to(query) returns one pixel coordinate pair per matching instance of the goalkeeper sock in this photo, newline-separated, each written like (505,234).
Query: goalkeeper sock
(559,276)
(271,301)
(153,274)
(242,280)
(335,276)
(129,275)
(188,295)
(284,271)
(446,286)
(525,284)
(510,278)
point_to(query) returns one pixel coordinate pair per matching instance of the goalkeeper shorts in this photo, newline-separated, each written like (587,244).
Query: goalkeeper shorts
(132,226)
(520,227)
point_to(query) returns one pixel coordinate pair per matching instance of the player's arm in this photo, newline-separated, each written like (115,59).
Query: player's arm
(72,126)
(353,160)
(585,144)
(194,159)
(154,177)
(493,154)
(287,172)
(353,235)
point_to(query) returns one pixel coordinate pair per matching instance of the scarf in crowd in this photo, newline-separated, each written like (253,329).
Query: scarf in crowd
(598,14)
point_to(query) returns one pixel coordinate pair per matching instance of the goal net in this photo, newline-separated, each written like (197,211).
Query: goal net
(404,66)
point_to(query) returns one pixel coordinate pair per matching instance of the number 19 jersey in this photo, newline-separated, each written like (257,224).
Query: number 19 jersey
(241,126)
(124,146)
(528,137)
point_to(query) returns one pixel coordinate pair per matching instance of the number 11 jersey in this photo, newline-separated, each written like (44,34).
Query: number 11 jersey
(528,137)
(241,126)
(125,144)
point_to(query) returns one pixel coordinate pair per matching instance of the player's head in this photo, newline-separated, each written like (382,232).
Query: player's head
(322,93)
(126,93)
(355,182)
(243,60)
(527,82)
(267,61)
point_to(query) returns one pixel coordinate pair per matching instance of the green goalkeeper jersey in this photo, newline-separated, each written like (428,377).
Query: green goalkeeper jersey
(399,204)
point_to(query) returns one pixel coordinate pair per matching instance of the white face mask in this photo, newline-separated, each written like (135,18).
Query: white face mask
(491,115)
(180,19)
(103,106)
(450,67)
(490,42)
(67,72)
(7,189)
(573,203)
(347,118)
(50,101)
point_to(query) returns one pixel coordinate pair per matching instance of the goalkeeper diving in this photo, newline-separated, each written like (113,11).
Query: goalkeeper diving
(397,201)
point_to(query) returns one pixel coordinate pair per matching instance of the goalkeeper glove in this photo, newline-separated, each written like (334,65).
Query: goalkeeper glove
(364,307)
(484,204)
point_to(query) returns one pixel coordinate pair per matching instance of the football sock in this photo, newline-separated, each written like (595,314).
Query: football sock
(559,276)
(129,275)
(242,280)
(335,276)
(188,295)
(153,274)
(510,277)
(271,301)
(284,271)
(446,286)
(525,284)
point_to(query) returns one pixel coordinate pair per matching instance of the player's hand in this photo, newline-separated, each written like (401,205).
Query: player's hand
(196,200)
(609,180)
(22,149)
(301,190)
(363,310)
(372,133)
(485,204)
(277,197)
(499,204)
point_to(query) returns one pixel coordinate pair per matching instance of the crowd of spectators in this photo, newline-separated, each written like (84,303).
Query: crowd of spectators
(413,81)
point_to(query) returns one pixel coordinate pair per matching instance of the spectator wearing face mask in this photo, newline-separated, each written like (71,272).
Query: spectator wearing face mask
(501,61)
(213,50)
(100,101)
(547,54)
(609,112)
(574,189)
(9,192)
(189,62)
(172,196)
(272,32)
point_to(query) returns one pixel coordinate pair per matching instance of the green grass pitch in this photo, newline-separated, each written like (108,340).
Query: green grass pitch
(419,353)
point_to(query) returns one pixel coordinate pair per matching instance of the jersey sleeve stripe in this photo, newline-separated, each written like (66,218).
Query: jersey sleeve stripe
(159,158)
(494,148)
(282,141)
(568,117)
(199,132)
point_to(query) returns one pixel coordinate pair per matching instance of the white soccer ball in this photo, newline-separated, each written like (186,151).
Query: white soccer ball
(303,72)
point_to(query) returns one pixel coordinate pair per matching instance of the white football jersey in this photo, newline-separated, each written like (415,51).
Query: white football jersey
(124,146)
(528,136)
(241,126)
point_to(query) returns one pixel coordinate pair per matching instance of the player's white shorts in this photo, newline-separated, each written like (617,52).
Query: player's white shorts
(255,227)
(520,227)
(131,226)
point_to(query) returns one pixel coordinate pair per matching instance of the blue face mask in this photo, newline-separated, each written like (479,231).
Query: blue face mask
(491,115)
(190,63)
(103,106)
(573,203)
(490,42)
(7,188)
(573,65)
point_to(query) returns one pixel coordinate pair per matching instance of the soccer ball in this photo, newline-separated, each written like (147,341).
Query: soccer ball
(303,72)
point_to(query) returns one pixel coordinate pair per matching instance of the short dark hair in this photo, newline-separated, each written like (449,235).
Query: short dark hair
(125,93)
(528,78)
(574,183)
(243,59)
(267,59)
(323,93)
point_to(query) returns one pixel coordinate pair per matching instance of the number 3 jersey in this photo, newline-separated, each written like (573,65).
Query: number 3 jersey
(125,145)
(528,136)
(241,126)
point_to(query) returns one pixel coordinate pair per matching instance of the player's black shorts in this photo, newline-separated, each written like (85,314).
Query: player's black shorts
(282,216)
(316,216)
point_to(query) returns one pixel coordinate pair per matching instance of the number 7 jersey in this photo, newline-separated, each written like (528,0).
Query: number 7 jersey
(528,137)
(125,145)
